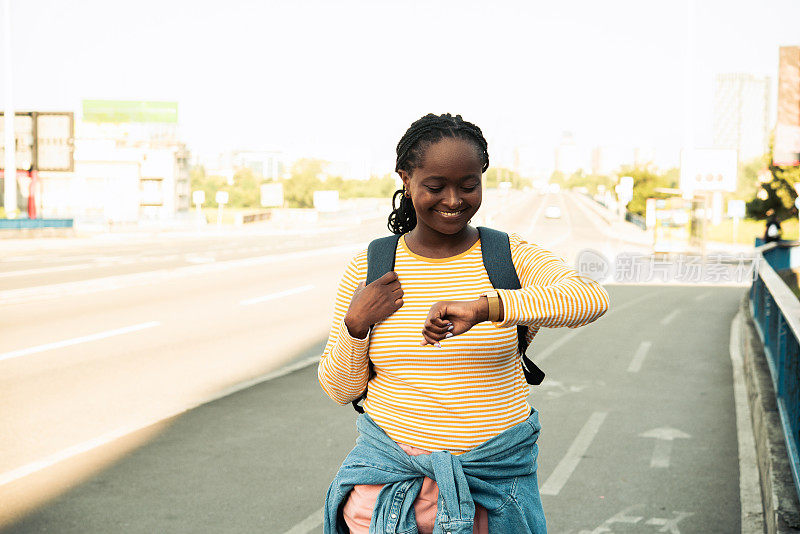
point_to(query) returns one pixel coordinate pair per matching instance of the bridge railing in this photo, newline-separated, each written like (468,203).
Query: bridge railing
(776,313)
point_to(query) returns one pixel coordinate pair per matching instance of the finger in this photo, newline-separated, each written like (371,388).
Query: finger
(428,340)
(434,329)
(436,335)
(388,278)
(440,322)
(460,328)
(398,303)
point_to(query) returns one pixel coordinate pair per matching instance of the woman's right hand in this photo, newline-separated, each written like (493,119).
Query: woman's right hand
(373,303)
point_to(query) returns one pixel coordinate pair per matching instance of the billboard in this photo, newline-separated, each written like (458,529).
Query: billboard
(708,169)
(326,201)
(787,129)
(44,140)
(122,111)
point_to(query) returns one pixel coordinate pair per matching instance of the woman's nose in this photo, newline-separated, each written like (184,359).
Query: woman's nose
(453,199)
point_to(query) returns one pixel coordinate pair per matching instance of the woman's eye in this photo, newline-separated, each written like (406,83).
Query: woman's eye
(434,189)
(470,188)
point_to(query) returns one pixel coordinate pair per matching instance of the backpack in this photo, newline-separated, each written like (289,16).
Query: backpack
(496,253)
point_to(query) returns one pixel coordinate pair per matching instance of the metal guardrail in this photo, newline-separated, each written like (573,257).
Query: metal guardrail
(636,219)
(19,224)
(776,313)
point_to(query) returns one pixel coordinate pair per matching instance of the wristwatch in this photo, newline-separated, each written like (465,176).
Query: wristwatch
(494,305)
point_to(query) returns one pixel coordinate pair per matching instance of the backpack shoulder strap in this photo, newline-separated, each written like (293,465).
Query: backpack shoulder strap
(380,260)
(380,257)
(496,252)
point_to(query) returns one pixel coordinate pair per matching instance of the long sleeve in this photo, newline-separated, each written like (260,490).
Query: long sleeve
(343,368)
(552,294)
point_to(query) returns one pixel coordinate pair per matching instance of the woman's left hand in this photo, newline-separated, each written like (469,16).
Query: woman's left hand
(449,318)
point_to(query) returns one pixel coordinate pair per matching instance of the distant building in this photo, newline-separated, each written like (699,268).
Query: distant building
(269,164)
(567,155)
(741,114)
(607,160)
(787,128)
(129,166)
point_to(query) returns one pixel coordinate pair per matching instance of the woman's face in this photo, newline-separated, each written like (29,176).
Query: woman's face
(446,187)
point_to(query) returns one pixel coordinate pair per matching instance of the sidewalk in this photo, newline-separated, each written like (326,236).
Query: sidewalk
(780,508)
(618,228)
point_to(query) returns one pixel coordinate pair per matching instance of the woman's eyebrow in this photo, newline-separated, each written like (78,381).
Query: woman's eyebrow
(466,177)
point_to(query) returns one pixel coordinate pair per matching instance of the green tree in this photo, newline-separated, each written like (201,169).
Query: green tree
(780,192)
(245,192)
(559,178)
(374,187)
(495,175)
(199,180)
(645,182)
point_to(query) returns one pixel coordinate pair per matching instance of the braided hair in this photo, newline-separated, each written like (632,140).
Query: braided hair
(411,151)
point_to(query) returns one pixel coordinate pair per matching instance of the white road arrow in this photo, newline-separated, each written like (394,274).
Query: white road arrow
(664,437)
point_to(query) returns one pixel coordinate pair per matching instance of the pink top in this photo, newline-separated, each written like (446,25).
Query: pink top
(361,501)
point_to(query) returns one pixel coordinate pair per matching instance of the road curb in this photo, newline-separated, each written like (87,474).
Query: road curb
(778,495)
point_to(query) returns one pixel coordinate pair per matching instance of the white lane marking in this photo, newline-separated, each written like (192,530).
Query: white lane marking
(638,358)
(569,462)
(273,296)
(663,448)
(25,470)
(568,234)
(701,296)
(529,233)
(620,517)
(749,483)
(542,356)
(671,525)
(28,294)
(661,453)
(666,320)
(199,259)
(308,524)
(77,340)
(43,270)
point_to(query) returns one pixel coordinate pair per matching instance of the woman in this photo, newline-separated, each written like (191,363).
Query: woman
(448,440)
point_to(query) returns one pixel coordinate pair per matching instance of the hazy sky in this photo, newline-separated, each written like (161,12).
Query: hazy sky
(343,79)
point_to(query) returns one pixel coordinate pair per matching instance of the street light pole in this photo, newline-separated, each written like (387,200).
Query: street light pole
(10,166)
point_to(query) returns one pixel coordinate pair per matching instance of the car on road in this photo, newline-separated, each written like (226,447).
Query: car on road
(552,212)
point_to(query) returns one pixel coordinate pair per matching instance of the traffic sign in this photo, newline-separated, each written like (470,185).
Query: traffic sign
(198,197)
(736,209)
(221,197)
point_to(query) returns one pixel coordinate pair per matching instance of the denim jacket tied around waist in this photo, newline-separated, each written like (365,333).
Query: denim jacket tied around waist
(499,474)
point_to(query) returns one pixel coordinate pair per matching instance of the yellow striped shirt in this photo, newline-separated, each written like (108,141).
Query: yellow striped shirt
(472,388)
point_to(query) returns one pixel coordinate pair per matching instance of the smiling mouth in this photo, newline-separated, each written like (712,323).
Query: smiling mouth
(450,214)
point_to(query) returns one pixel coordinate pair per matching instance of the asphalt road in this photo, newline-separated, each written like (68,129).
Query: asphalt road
(92,354)
(622,449)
